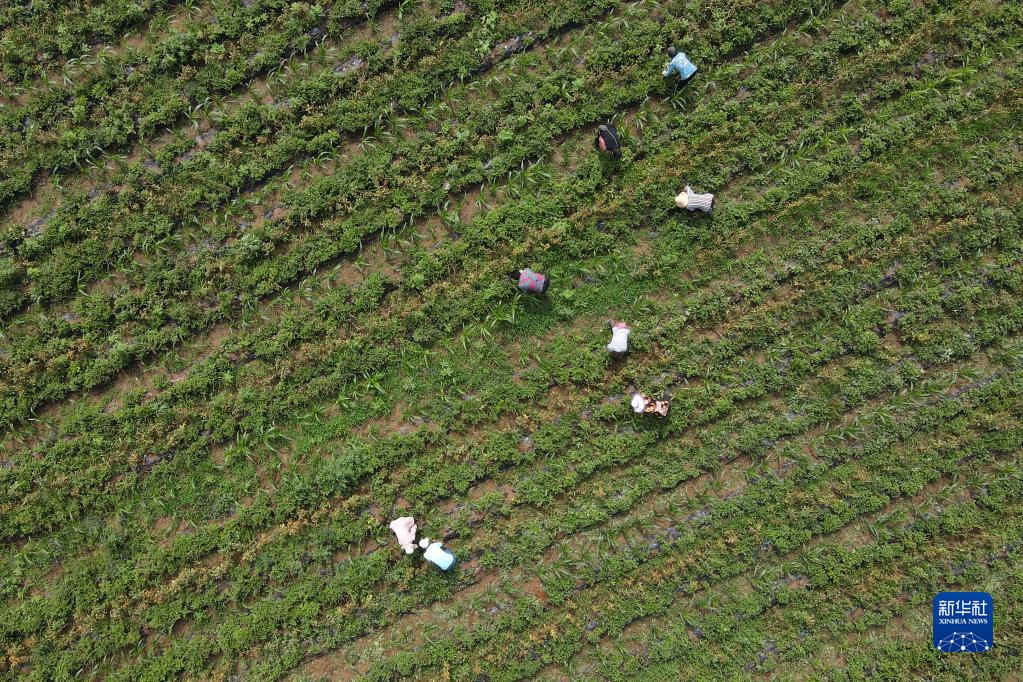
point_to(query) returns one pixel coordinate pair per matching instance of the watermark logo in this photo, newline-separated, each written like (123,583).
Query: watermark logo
(964,622)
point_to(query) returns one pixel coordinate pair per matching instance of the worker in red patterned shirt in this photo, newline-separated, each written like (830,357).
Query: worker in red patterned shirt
(529,281)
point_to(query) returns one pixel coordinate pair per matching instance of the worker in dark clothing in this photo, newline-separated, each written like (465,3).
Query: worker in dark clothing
(607,141)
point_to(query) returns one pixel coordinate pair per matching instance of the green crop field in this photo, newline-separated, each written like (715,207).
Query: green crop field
(254,305)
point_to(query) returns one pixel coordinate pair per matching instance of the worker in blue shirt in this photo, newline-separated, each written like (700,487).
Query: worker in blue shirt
(679,64)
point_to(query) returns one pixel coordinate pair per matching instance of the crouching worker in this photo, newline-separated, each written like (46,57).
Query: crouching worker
(436,554)
(405,530)
(619,338)
(692,201)
(679,64)
(645,404)
(607,141)
(529,281)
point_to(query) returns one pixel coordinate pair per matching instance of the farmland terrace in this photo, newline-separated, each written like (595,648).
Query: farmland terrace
(254,306)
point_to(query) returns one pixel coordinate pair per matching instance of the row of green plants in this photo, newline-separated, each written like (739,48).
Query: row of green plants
(206,183)
(898,655)
(661,475)
(307,590)
(128,306)
(37,36)
(191,311)
(881,581)
(824,569)
(137,93)
(63,457)
(289,330)
(527,534)
(442,49)
(785,512)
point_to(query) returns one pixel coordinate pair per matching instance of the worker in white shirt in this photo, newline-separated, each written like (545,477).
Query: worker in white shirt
(692,201)
(619,337)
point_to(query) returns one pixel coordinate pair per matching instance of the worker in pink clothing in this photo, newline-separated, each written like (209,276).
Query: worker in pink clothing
(404,529)
(529,281)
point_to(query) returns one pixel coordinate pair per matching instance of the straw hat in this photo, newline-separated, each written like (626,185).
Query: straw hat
(681,200)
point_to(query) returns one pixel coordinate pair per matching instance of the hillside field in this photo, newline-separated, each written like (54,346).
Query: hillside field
(255,304)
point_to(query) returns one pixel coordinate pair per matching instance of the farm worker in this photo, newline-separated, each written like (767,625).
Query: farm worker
(689,199)
(607,140)
(529,281)
(619,337)
(679,64)
(436,554)
(405,530)
(642,403)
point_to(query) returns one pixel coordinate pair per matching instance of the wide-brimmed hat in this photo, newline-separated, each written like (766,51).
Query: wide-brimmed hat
(682,200)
